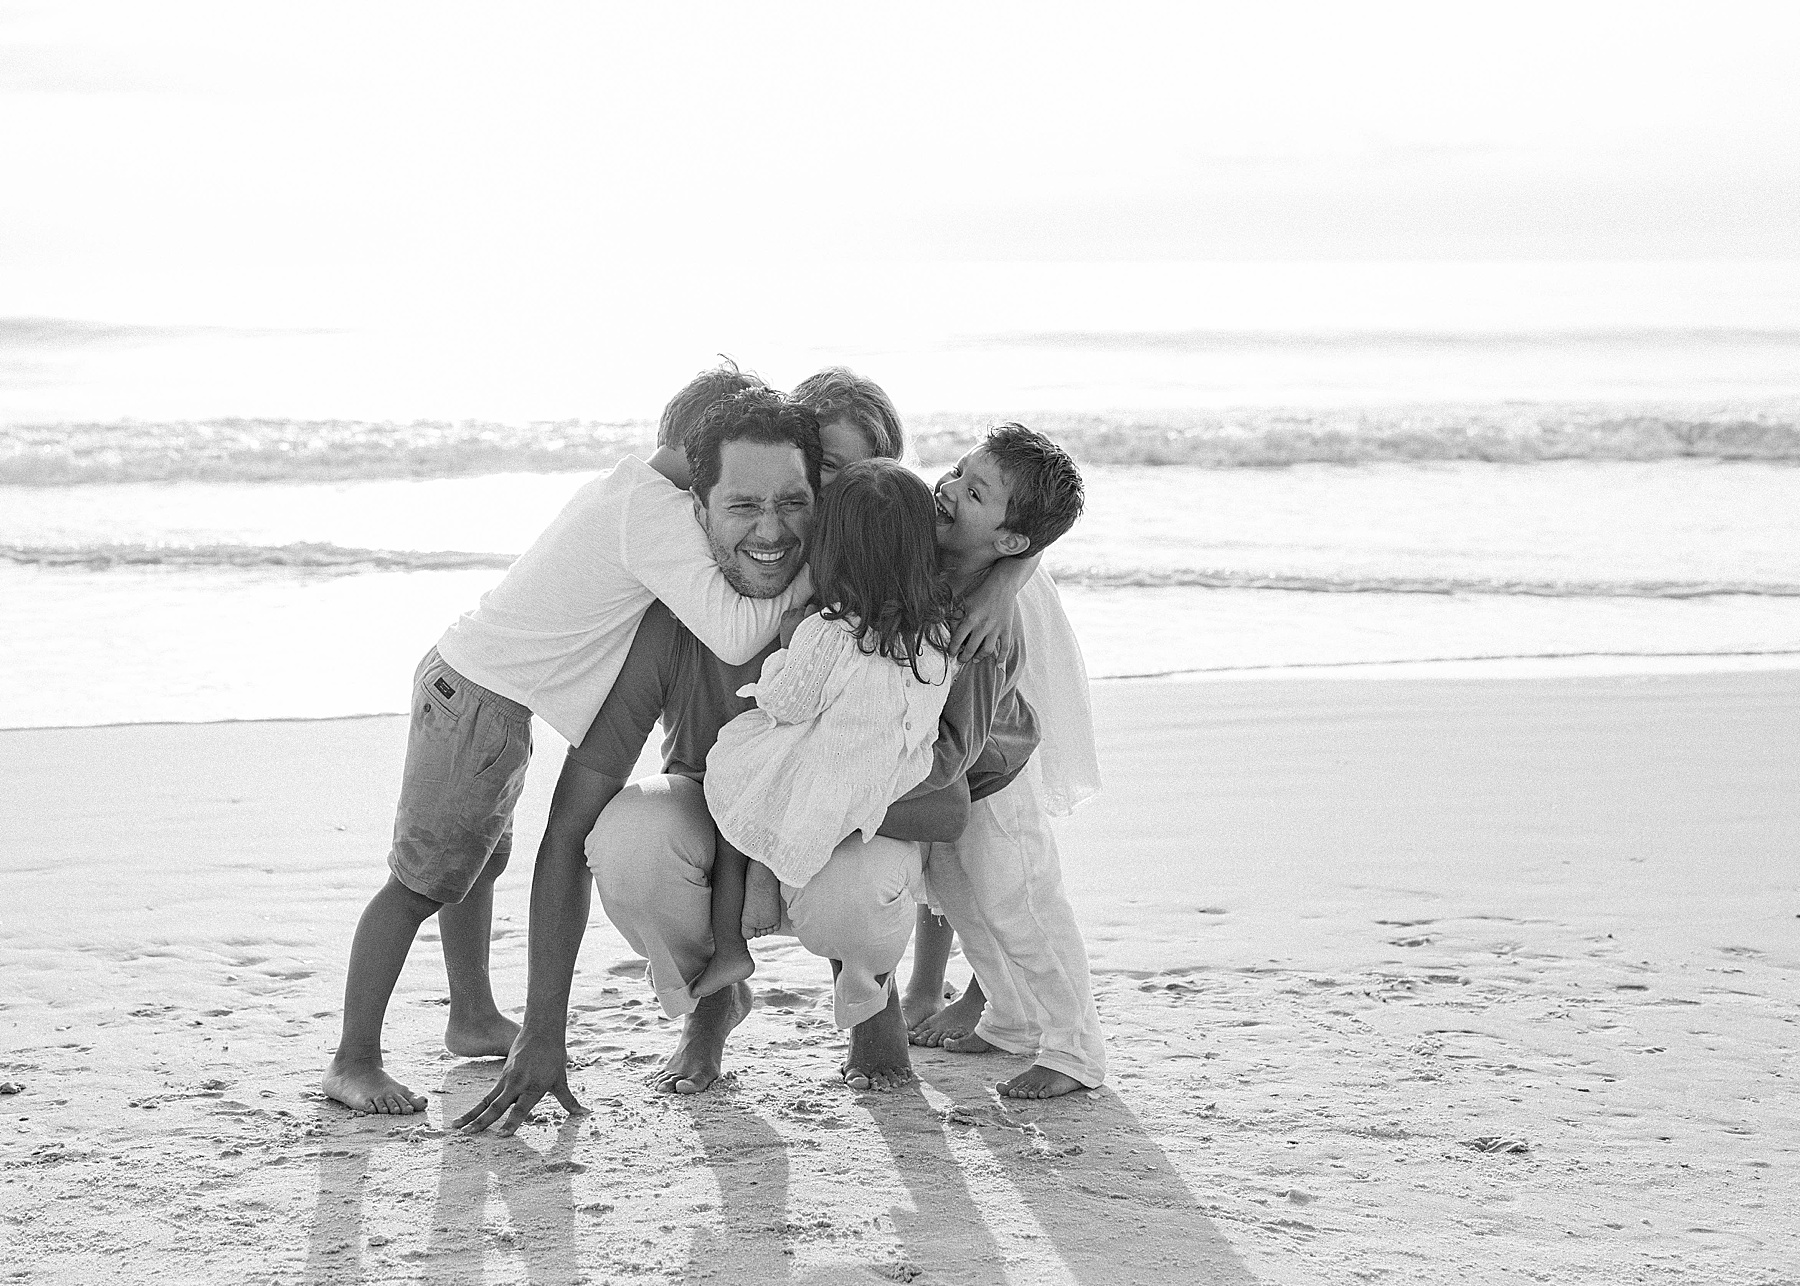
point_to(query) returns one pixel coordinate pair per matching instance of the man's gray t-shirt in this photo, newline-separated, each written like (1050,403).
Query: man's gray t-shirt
(987,730)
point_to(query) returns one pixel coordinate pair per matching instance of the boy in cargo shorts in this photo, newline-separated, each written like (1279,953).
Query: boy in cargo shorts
(548,639)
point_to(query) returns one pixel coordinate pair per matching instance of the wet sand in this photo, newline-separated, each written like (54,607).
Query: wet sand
(1409,980)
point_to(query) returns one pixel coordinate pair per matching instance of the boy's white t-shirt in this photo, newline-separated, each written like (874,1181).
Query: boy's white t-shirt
(553,634)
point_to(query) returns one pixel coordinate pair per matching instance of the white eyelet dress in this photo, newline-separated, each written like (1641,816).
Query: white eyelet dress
(838,734)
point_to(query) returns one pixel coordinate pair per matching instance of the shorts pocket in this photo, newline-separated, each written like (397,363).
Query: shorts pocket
(502,746)
(442,689)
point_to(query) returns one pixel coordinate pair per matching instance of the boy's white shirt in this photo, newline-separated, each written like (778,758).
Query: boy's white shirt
(553,634)
(1054,682)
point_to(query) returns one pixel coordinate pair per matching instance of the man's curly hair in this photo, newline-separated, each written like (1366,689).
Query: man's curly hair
(752,415)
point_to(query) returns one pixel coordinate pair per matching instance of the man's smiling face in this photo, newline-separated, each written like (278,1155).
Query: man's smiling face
(971,505)
(757,515)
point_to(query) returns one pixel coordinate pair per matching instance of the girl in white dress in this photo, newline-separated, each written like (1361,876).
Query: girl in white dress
(846,715)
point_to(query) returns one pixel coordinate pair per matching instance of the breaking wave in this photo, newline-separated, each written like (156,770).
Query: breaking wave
(249,450)
(321,557)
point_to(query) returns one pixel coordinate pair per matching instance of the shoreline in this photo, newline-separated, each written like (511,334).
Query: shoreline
(1521,668)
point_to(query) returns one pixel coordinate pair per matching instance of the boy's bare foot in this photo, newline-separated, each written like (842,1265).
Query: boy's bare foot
(699,1055)
(1038,1082)
(918,1005)
(956,1019)
(361,1085)
(970,1043)
(733,963)
(488,1037)
(878,1058)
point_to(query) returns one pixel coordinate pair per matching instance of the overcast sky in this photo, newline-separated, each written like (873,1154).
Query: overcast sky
(476,145)
(473,177)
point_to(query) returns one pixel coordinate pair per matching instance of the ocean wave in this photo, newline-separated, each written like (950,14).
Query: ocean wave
(248,450)
(300,557)
(324,557)
(1684,339)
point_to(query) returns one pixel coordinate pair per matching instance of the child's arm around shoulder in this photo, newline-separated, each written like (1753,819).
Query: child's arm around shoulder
(988,608)
(663,547)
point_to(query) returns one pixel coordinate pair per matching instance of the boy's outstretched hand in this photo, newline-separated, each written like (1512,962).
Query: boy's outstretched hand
(533,1069)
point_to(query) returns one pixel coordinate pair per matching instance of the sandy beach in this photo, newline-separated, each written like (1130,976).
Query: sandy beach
(1419,980)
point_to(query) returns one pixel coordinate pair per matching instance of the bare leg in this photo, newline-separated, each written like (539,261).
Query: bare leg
(731,959)
(954,1023)
(878,1058)
(384,935)
(477,1028)
(925,989)
(699,1056)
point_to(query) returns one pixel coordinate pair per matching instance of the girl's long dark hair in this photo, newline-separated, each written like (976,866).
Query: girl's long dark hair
(873,552)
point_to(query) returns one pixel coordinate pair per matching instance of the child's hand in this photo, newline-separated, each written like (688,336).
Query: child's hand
(986,625)
(790,621)
(762,901)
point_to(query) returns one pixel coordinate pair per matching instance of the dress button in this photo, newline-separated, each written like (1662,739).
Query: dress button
(909,725)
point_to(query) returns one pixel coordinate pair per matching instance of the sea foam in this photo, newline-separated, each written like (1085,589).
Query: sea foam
(268,450)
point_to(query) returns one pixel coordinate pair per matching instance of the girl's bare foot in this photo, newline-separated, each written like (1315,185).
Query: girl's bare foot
(361,1085)
(486,1037)
(956,1019)
(1038,1082)
(730,964)
(762,901)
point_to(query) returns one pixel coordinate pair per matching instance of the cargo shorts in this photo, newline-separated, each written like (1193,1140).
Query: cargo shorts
(466,754)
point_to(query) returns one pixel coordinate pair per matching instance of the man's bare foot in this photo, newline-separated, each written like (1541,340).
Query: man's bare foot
(488,1037)
(361,1085)
(731,963)
(700,1053)
(952,1021)
(1037,1081)
(918,1004)
(878,1058)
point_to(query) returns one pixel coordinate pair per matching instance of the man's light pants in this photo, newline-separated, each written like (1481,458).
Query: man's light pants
(1000,886)
(651,853)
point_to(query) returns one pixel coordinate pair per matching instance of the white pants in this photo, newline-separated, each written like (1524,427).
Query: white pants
(1000,886)
(651,853)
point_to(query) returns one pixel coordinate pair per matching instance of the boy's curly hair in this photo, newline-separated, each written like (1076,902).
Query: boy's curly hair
(699,395)
(1047,494)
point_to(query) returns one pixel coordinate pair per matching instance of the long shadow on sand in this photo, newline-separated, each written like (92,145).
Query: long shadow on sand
(533,1188)
(1096,1182)
(749,1159)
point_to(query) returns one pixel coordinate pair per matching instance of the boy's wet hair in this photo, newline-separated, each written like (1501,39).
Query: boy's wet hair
(699,395)
(754,414)
(1046,488)
(873,554)
(839,393)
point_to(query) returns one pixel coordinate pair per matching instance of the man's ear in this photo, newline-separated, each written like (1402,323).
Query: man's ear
(1010,543)
(699,511)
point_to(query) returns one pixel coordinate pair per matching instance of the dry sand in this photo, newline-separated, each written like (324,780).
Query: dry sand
(1342,932)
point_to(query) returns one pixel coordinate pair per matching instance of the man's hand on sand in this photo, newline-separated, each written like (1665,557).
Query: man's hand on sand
(533,1069)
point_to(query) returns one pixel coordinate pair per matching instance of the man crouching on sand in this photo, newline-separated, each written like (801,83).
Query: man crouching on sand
(651,843)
